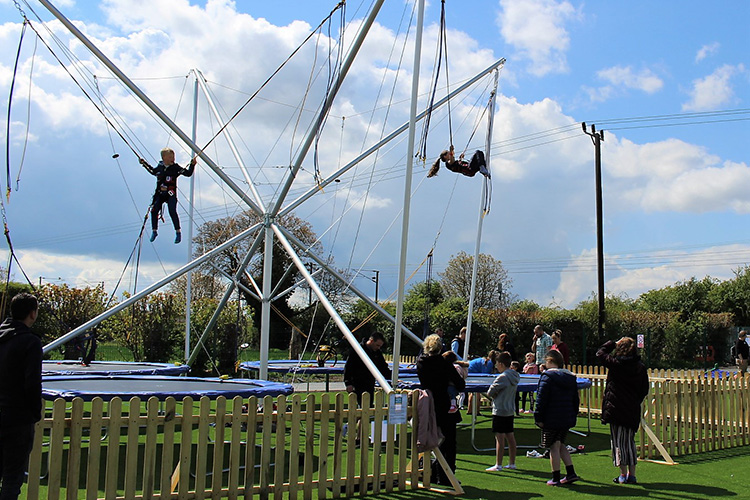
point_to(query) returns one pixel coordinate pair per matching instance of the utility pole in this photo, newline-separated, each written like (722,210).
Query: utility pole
(597,138)
(376,279)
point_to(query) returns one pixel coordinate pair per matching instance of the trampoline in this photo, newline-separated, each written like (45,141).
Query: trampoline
(311,367)
(88,387)
(74,367)
(481,382)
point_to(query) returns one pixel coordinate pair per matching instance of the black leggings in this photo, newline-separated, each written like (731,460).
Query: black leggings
(156,204)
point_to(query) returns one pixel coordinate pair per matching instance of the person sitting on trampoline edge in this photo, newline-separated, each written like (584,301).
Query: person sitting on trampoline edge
(166,173)
(460,166)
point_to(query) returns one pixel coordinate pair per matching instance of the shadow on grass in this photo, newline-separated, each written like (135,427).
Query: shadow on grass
(676,491)
(709,456)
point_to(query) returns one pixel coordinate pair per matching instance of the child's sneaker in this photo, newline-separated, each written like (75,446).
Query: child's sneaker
(619,480)
(510,466)
(569,479)
(494,468)
(533,454)
(631,480)
(552,482)
(177,238)
(453,408)
(154,234)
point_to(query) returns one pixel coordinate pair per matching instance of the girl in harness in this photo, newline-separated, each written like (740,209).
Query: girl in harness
(166,173)
(460,166)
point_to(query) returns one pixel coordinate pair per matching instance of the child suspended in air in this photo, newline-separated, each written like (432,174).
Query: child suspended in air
(166,173)
(460,166)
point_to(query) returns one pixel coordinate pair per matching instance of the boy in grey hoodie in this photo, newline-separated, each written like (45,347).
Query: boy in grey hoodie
(503,395)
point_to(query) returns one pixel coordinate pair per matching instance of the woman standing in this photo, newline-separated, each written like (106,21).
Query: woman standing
(559,345)
(627,385)
(435,374)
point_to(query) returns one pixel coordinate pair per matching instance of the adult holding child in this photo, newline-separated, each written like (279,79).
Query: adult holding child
(627,386)
(436,374)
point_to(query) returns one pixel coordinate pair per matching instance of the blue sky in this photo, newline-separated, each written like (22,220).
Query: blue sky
(669,82)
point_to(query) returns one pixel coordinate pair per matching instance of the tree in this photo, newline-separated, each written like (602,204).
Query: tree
(283,273)
(685,297)
(493,285)
(63,308)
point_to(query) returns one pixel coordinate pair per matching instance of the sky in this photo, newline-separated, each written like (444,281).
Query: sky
(667,82)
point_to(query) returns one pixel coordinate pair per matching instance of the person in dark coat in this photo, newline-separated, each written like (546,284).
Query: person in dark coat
(555,413)
(20,392)
(743,351)
(357,377)
(627,386)
(435,374)
(504,343)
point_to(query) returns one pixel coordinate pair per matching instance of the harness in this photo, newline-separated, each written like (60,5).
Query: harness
(167,184)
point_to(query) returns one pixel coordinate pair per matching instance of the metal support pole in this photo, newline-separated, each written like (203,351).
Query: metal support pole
(348,335)
(407,192)
(189,242)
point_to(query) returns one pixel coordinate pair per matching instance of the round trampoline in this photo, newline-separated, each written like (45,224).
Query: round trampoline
(310,367)
(72,367)
(480,382)
(89,387)
(301,367)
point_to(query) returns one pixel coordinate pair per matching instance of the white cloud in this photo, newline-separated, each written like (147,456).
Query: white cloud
(673,175)
(707,50)
(537,29)
(713,91)
(625,274)
(624,76)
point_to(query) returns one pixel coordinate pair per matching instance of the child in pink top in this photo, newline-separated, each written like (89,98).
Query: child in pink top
(530,368)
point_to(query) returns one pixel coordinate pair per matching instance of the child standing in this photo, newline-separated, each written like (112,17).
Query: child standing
(516,366)
(556,412)
(462,369)
(503,395)
(530,368)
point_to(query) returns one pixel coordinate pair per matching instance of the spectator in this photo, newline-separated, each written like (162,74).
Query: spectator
(627,385)
(743,351)
(20,392)
(515,365)
(458,343)
(485,364)
(540,343)
(530,368)
(504,343)
(559,345)
(503,395)
(436,374)
(556,413)
(357,377)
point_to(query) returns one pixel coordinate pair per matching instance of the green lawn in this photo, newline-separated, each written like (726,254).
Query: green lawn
(714,475)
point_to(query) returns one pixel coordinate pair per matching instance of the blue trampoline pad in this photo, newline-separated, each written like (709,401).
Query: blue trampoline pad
(70,367)
(88,387)
(310,366)
(480,382)
(300,366)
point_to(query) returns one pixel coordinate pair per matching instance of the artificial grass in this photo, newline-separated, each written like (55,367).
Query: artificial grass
(715,475)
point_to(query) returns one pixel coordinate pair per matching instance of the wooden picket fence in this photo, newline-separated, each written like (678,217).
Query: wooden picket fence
(686,411)
(289,448)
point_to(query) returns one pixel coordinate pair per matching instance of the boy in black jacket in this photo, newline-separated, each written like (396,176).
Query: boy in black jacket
(556,412)
(20,391)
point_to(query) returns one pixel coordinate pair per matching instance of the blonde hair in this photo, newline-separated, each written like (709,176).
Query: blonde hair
(432,344)
(625,347)
(166,151)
